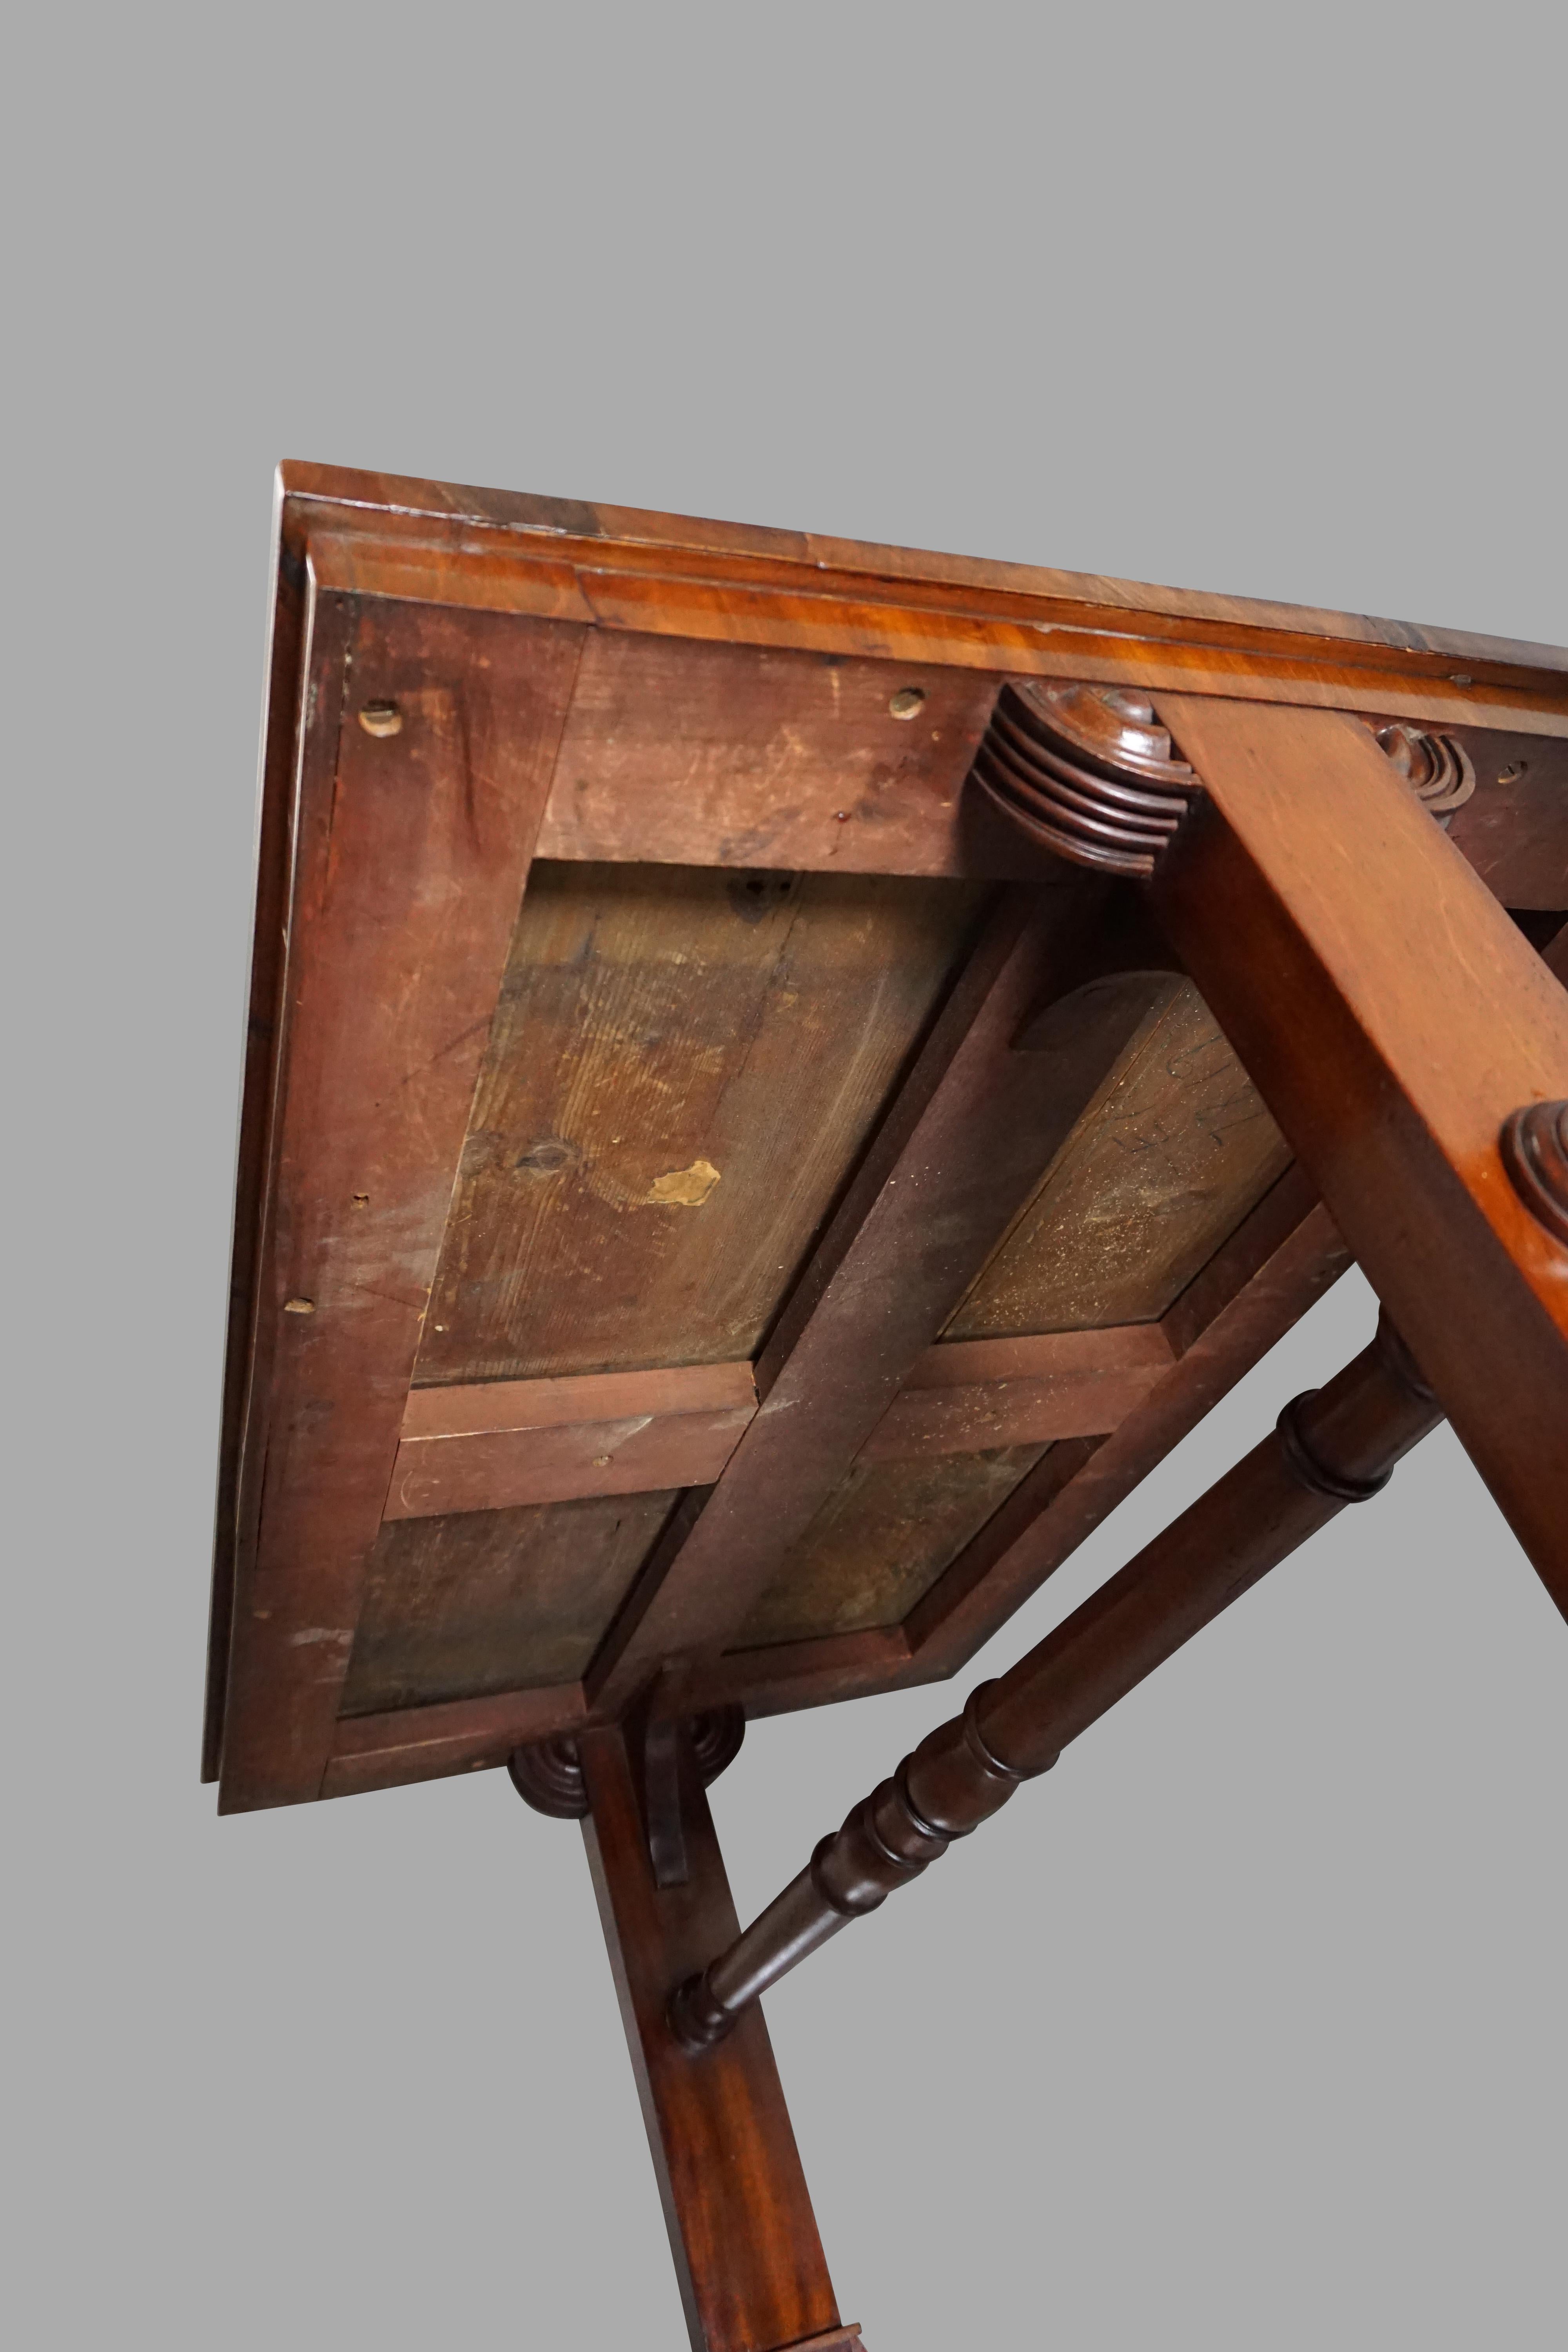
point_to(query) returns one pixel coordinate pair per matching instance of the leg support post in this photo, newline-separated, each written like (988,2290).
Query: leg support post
(742,2230)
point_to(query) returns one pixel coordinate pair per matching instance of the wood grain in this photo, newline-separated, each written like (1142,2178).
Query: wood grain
(491,1445)
(733,693)
(878,1541)
(742,2230)
(307,659)
(484,1602)
(1392,1018)
(1173,1153)
(631,571)
(1277,1265)
(972,1127)
(410,859)
(682,1065)
(1266,1276)
(1514,829)
(964,1395)
(736,755)
(428,1743)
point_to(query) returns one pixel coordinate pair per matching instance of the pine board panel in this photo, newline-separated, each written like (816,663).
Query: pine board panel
(1163,1166)
(481,1601)
(880,1540)
(685,1065)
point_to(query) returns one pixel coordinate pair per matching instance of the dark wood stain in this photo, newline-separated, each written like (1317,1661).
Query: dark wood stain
(676,1100)
(1395,1019)
(684,753)
(880,1540)
(410,853)
(482,1602)
(742,2231)
(1162,1168)
(683,1065)
(1514,830)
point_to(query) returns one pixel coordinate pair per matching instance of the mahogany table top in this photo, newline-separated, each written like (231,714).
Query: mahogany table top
(721,1215)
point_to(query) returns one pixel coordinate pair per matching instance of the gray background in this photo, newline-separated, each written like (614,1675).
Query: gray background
(1243,2031)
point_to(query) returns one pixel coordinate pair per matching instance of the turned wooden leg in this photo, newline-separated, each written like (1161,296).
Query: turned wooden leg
(1329,1446)
(752,2276)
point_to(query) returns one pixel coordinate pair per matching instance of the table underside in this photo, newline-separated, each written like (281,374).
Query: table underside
(603,1005)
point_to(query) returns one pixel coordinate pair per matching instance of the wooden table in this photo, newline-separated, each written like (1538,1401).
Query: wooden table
(783,1076)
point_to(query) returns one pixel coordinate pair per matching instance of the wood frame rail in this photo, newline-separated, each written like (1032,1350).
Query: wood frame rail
(1283,1258)
(1016,1055)
(1116,798)
(393,900)
(488,1444)
(526,635)
(616,569)
(1329,1447)
(1284,1255)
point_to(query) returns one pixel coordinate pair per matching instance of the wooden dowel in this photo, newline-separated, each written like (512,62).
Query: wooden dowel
(1329,1447)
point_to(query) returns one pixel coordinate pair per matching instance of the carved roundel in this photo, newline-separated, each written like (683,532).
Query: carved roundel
(1436,768)
(1534,1145)
(549,1777)
(716,1737)
(1086,769)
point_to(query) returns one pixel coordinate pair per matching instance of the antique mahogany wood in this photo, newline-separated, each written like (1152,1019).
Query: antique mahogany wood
(742,2230)
(969,1393)
(1307,892)
(407,1744)
(684,1064)
(408,859)
(485,1444)
(1284,1256)
(1331,1447)
(723,1210)
(622,569)
(981,1114)
(702,693)
(1282,1259)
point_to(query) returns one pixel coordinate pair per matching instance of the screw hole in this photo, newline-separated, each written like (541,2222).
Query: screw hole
(380,719)
(908,703)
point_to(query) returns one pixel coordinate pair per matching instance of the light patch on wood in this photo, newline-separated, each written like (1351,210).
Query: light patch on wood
(683,1188)
(768,1052)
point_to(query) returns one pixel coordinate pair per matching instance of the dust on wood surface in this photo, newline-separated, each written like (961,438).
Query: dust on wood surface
(481,1601)
(683,1069)
(880,1540)
(1157,1175)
